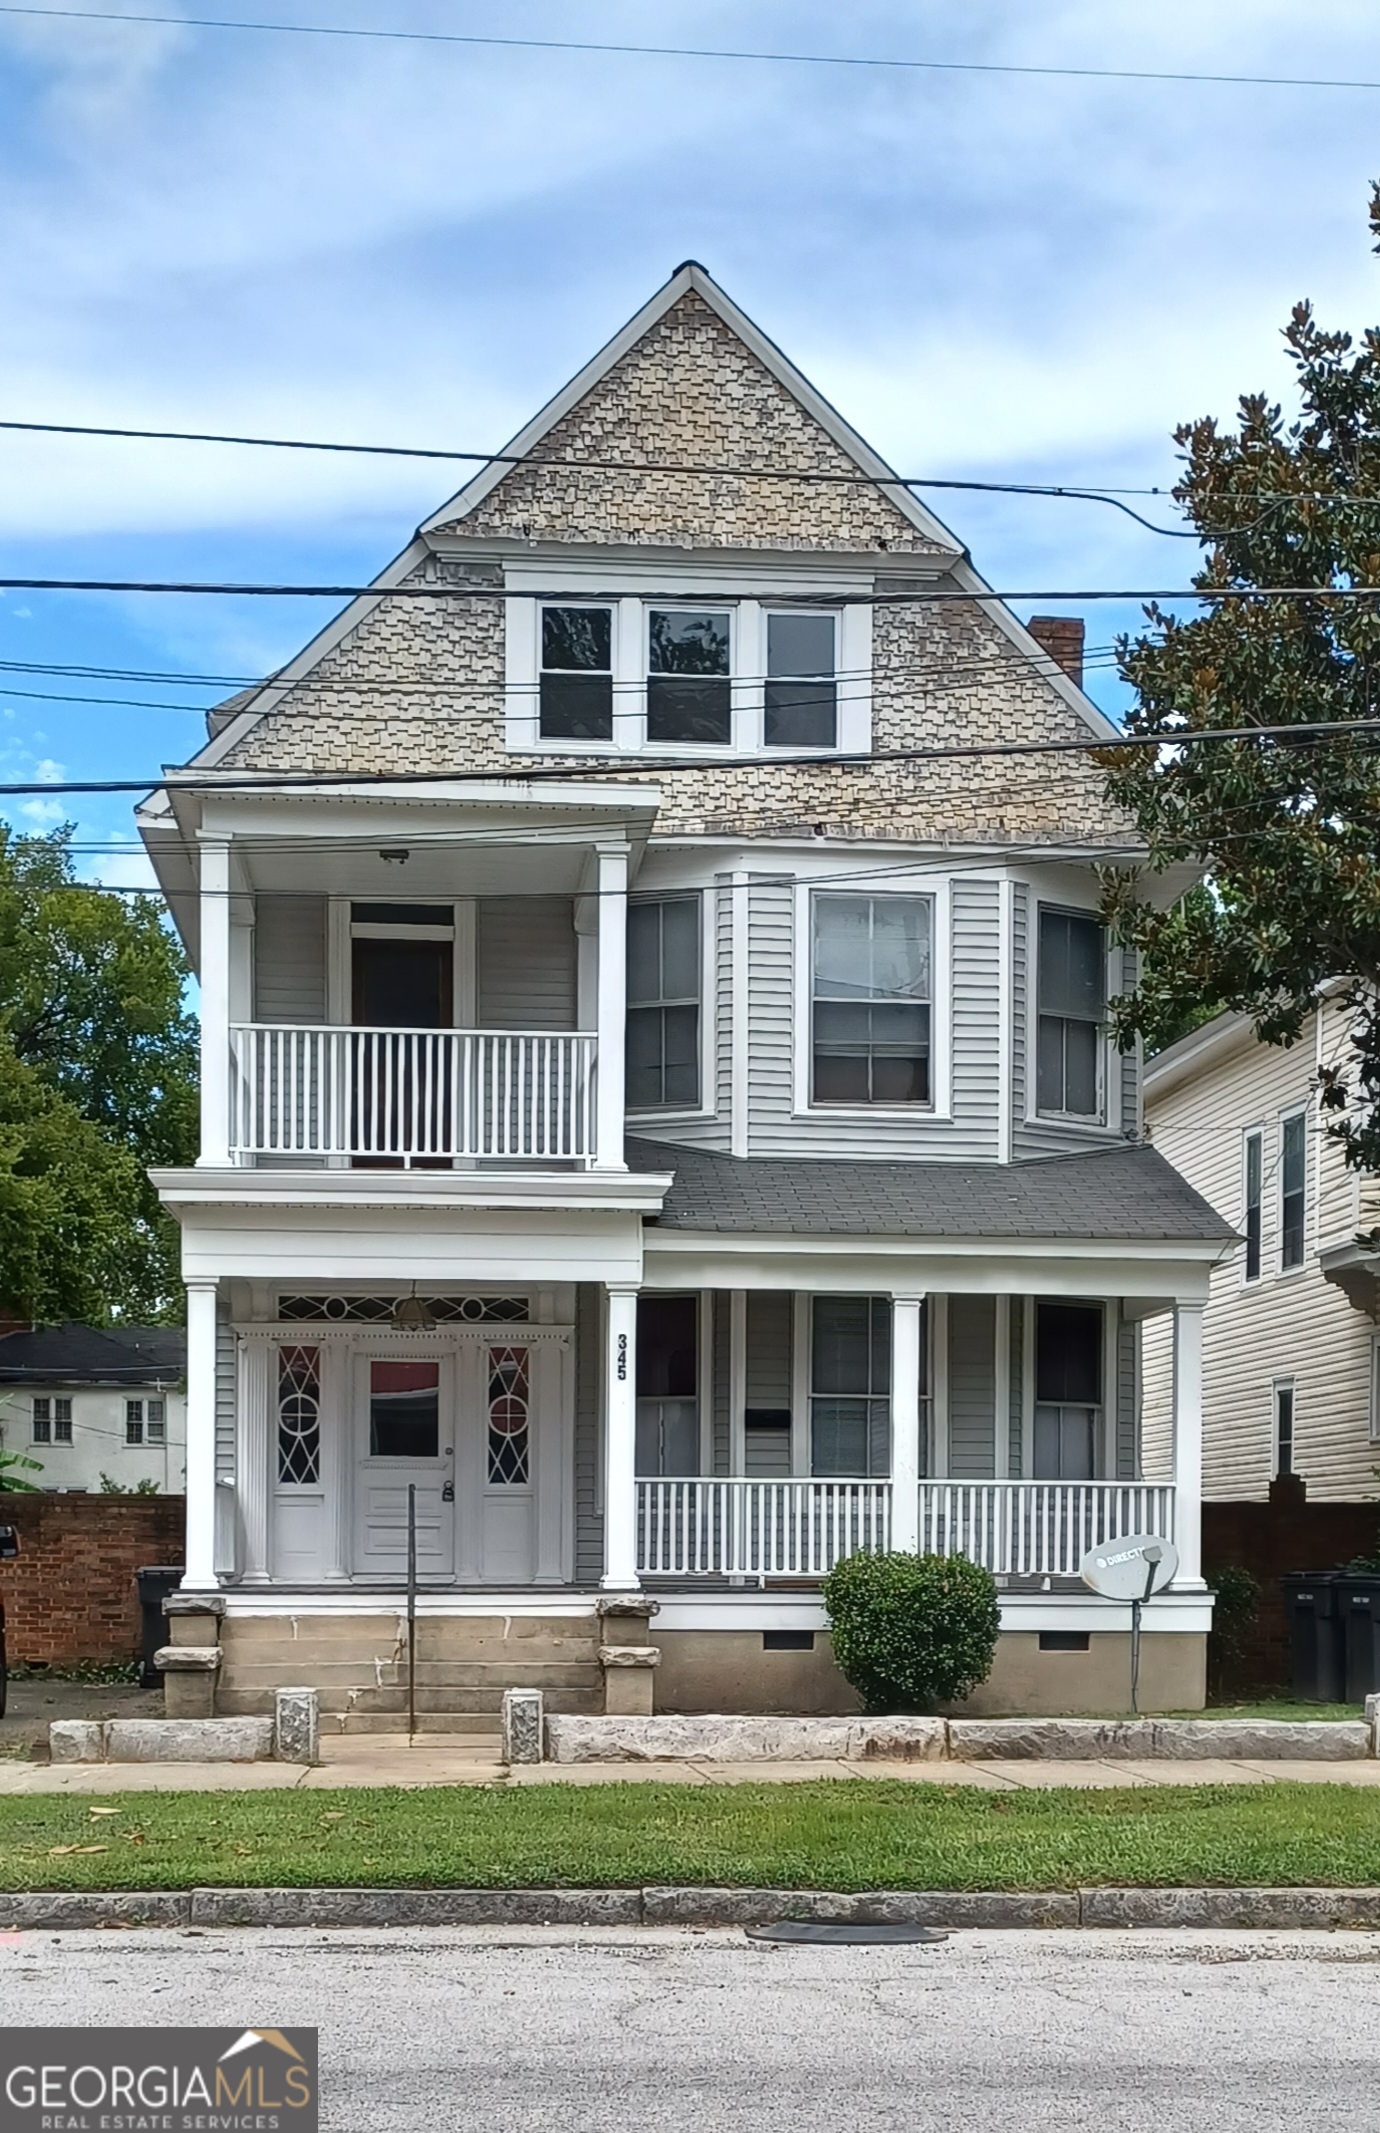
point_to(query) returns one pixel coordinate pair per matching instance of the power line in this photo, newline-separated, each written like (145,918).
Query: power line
(646,770)
(892,597)
(712,52)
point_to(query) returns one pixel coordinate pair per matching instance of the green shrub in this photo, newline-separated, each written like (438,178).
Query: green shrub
(912,1631)
(1233,1623)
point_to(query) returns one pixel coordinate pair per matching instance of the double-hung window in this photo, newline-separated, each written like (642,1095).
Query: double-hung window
(134,1421)
(1068,1390)
(850,1386)
(1253,1183)
(1293,1151)
(1072,984)
(156,1417)
(1284,1425)
(689,692)
(52,1419)
(575,687)
(800,700)
(871,998)
(663,1030)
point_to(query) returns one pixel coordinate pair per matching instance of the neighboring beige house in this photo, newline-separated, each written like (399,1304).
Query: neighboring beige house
(1291,1335)
(647,1113)
(96,1406)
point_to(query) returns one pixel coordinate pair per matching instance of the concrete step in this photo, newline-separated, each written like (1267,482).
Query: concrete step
(334,1657)
(471,1730)
(585,1697)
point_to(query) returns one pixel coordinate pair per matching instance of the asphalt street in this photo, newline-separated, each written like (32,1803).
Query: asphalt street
(508,2030)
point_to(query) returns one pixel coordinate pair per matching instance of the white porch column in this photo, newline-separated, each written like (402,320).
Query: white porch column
(253,1453)
(200,1572)
(611,1018)
(214,973)
(905,1421)
(1188,1441)
(620,1442)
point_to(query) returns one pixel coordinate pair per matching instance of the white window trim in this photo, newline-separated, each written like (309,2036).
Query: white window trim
(1277,1386)
(680,1114)
(1107,1118)
(1248,1133)
(1281,1271)
(747,674)
(939,1109)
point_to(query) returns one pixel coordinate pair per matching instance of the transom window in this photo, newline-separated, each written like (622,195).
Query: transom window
(870,1005)
(689,694)
(850,1386)
(1072,983)
(663,1028)
(576,684)
(800,705)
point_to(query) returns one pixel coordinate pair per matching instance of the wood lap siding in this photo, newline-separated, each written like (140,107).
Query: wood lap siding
(526,958)
(1127,1431)
(972,1388)
(290,959)
(589,1522)
(1296,1325)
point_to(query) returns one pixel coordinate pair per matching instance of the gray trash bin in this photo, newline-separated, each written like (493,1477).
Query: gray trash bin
(155,1582)
(1318,1667)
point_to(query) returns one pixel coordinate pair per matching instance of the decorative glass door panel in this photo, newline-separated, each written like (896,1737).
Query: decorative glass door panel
(407,1441)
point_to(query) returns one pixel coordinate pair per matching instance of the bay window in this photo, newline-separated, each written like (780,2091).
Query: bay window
(663,1027)
(1072,991)
(871,997)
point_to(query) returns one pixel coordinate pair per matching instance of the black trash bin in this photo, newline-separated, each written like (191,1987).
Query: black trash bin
(1358,1596)
(1316,1629)
(155,1582)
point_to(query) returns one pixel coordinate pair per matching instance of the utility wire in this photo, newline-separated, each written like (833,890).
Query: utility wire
(893,597)
(713,52)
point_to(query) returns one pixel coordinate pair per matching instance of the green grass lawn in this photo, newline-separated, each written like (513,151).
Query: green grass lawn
(840,1834)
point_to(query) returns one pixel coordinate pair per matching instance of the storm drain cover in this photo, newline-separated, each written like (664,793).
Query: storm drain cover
(820,1933)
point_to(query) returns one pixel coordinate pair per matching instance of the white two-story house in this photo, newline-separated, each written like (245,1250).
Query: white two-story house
(658,1116)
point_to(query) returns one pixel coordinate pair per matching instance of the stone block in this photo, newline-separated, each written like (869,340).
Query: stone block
(198,1631)
(522,1725)
(416,1907)
(1060,1739)
(627,1615)
(1373,1721)
(1283,1910)
(995,1909)
(205,1740)
(898,1740)
(194,1603)
(297,1725)
(76,1740)
(187,1658)
(1260,1740)
(59,1910)
(616,1738)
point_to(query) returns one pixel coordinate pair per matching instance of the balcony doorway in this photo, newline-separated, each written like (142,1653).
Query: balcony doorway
(402,1083)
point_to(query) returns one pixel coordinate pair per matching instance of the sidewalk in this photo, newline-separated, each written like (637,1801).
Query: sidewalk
(386,1759)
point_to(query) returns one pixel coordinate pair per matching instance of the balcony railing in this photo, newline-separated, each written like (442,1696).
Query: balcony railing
(800,1529)
(411,1096)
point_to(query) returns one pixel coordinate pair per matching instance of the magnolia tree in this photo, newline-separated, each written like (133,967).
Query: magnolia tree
(1287,826)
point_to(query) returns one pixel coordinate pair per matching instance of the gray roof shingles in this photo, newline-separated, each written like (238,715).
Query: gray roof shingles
(94,1355)
(1128,1192)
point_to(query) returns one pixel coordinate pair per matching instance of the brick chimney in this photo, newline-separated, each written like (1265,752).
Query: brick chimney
(1062,637)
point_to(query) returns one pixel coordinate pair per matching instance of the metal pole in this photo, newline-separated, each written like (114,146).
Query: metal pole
(411,1610)
(1154,1557)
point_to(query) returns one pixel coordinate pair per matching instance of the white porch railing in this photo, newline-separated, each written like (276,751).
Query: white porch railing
(757,1529)
(1037,1528)
(800,1529)
(411,1095)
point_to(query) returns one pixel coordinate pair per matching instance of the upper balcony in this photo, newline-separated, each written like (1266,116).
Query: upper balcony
(398,981)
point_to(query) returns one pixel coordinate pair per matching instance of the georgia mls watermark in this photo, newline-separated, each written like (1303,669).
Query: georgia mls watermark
(158,2081)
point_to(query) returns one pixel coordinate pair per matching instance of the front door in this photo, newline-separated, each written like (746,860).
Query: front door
(406,1421)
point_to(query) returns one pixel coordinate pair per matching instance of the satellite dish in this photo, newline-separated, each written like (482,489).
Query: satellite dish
(1132,1567)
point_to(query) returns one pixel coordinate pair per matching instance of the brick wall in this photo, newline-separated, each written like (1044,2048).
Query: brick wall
(71,1593)
(1269,1540)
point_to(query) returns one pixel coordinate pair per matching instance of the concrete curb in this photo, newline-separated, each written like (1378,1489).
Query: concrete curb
(1252,1909)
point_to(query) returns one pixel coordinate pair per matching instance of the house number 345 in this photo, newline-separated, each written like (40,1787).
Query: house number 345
(622,1355)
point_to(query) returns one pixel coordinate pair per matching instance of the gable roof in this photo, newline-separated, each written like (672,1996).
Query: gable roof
(74,1354)
(231,722)
(1127,1193)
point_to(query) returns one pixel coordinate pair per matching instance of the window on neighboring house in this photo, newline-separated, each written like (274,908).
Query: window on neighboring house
(134,1421)
(1251,1217)
(1293,1150)
(576,683)
(42,1420)
(1068,1390)
(850,1386)
(689,694)
(62,1421)
(801,695)
(870,1010)
(1072,982)
(156,1419)
(663,1032)
(1284,1428)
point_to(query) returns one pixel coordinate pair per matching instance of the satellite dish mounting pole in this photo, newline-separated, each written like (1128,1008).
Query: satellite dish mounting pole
(1153,1557)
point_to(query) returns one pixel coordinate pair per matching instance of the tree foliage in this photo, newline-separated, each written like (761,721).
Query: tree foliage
(1289,826)
(97,1079)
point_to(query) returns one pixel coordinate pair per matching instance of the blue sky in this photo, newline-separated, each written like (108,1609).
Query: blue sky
(991,276)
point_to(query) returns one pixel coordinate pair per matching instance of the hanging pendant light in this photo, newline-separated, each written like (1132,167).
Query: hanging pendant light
(410,1314)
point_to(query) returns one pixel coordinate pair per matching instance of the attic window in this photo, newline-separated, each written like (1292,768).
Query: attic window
(576,687)
(688,687)
(801,700)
